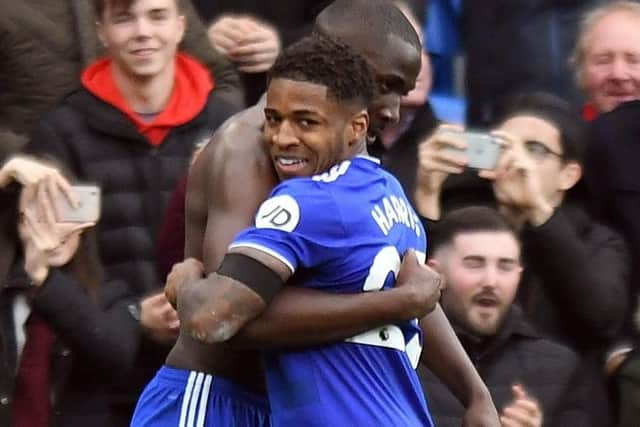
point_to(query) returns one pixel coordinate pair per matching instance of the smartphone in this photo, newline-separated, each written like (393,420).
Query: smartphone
(482,150)
(88,209)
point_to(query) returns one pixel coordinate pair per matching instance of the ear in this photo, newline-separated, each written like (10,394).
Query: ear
(182,23)
(436,266)
(570,175)
(101,35)
(357,127)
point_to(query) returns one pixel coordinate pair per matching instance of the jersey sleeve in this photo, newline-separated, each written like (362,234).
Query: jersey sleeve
(299,224)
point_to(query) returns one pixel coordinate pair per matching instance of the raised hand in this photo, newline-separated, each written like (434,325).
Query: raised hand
(435,163)
(523,411)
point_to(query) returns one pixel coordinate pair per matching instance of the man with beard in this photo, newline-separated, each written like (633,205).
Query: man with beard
(530,378)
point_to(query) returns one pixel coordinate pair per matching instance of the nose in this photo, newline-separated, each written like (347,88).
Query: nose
(389,113)
(490,278)
(284,136)
(142,27)
(620,69)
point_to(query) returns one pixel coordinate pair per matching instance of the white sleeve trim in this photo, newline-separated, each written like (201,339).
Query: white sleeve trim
(267,251)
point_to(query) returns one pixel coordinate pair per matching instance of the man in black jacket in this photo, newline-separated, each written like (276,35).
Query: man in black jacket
(531,379)
(612,178)
(575,286)
(534,186)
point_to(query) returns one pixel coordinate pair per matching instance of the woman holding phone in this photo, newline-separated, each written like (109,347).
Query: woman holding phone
(59,344)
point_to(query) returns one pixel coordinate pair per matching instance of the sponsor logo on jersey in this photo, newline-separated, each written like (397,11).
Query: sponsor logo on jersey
(280,213)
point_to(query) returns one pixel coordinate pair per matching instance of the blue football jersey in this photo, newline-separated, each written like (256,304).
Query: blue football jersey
(344,231)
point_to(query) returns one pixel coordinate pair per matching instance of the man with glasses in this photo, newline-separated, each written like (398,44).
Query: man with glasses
(575,285)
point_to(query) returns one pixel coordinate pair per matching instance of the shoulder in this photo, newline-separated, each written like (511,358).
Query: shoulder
(621,121)
(542,355)
(296,202)
(68,113)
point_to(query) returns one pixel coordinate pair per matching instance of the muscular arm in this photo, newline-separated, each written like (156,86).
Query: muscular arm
(216,209)
(304,317)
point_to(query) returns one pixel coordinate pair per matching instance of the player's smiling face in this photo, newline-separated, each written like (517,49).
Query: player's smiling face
(307,132)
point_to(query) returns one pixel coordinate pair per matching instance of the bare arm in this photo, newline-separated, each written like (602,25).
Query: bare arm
(300,317)
(214,309)
(446,358)
(217,210)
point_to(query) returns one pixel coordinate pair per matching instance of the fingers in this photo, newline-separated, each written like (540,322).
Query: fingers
(517,415)
(524,411)
(45,205)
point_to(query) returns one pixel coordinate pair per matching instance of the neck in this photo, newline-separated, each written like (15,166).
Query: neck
(146,95)
(360,149)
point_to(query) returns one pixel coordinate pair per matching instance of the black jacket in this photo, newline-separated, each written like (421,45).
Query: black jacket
(402,158)
(45,45)
(517,354)
(611,172)
(576,270)
(100,145)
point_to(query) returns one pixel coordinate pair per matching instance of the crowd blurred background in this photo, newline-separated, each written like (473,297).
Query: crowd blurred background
(83,320)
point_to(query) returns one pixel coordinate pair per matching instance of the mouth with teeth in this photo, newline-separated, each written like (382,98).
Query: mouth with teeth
(290,166)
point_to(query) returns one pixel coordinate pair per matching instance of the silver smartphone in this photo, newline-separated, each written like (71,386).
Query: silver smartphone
(483,149)
(89,205)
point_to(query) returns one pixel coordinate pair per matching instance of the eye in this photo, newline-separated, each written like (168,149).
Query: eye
(159,15)
(536,148)
(307,123)
(122,18)
(473,263)
(272,120)
(633,59)
(507,266)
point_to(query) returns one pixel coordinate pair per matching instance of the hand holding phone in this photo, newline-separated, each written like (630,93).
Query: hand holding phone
(482,149)
(88,209)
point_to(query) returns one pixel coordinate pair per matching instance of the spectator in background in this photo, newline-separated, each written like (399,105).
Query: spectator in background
(251,33)
(514,47)
(575,286)
(45,45)
(542,161)
(607,57)
(612,178)
(131,130)
(532,380)
(55,343)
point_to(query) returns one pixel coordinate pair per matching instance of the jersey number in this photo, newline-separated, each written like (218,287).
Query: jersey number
(386,261)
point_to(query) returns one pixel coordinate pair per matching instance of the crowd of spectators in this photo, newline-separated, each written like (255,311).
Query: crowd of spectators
(539,257)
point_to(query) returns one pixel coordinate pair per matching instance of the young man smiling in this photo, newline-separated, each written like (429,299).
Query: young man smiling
(132,129)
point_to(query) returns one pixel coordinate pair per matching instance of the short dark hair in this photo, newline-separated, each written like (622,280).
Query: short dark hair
(377,19)
(572,128)
(472,219)
(101,5)
(328,62)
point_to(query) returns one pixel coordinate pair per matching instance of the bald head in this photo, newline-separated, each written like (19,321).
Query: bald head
(374,20)
(380,32)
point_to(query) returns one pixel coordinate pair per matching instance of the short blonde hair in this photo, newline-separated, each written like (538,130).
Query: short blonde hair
(589,20)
